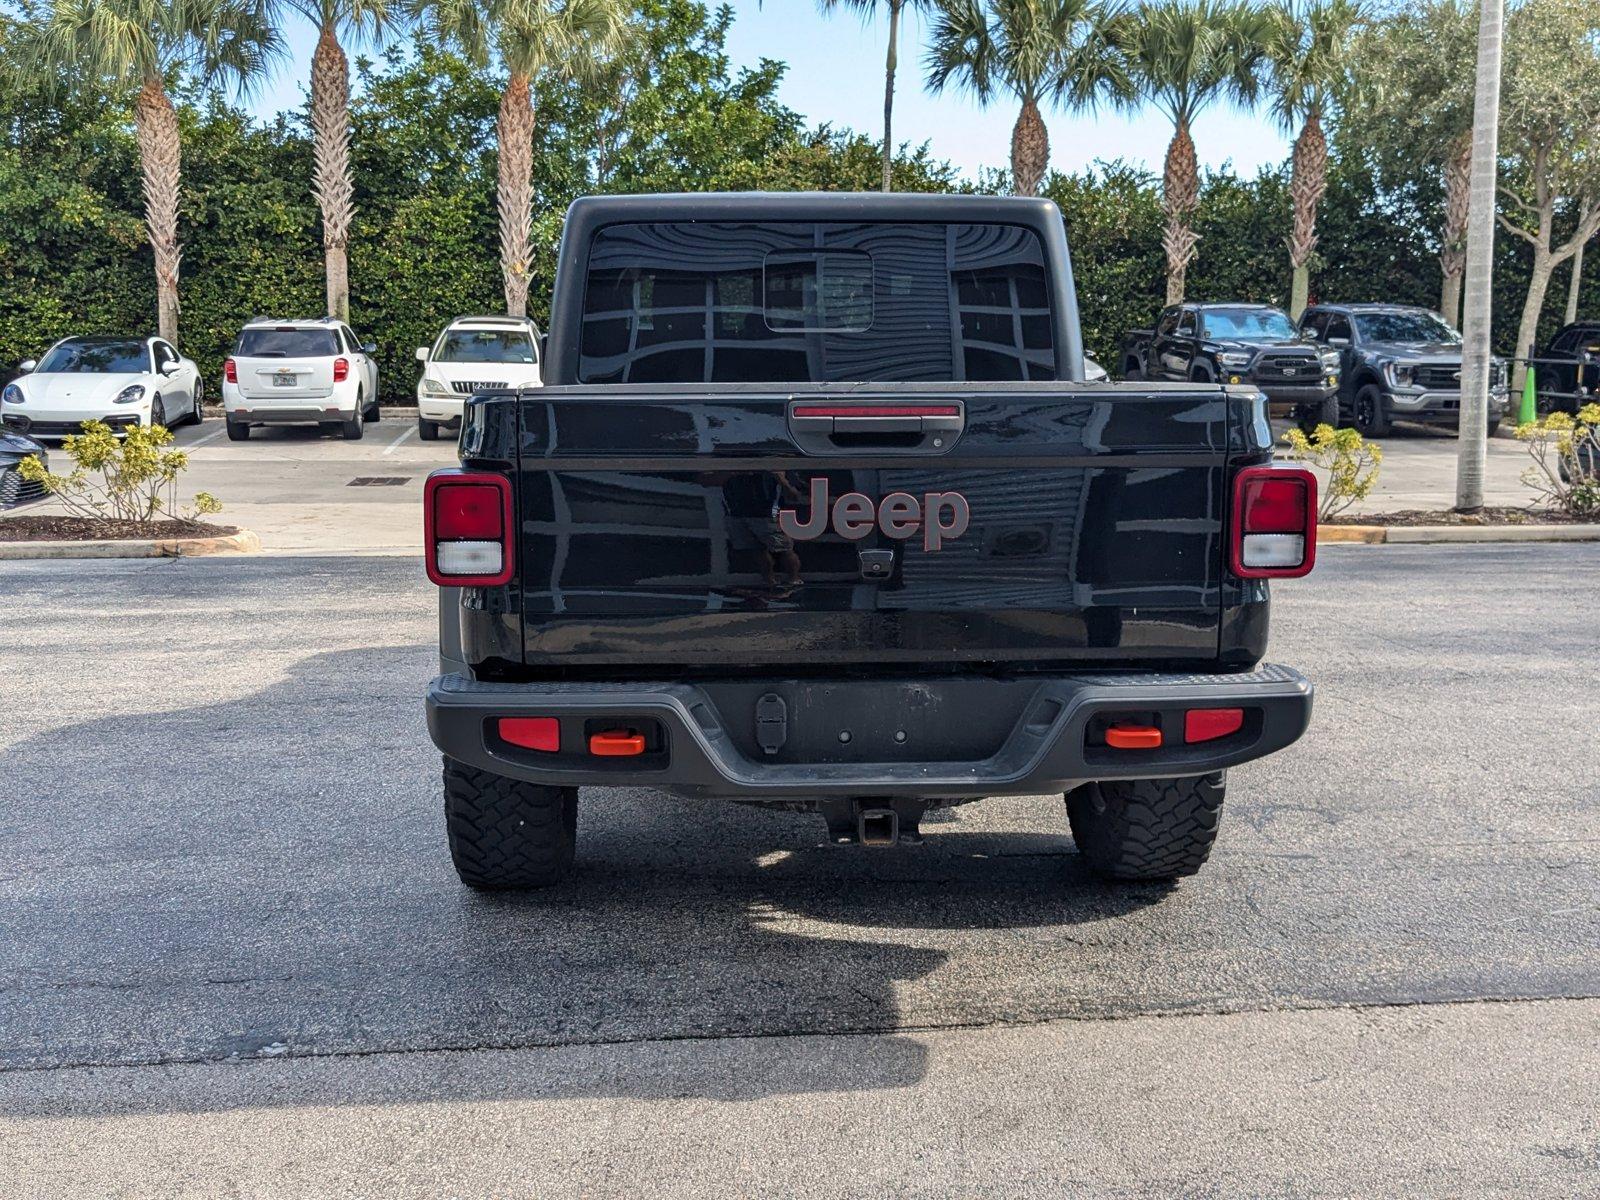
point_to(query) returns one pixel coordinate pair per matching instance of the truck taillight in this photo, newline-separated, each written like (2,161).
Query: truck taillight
(1274,523)
(230,371)
(467,528)
(341,369)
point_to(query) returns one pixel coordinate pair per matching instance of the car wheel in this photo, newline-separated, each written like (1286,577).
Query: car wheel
(427,431)
(505,833)
(1493,427)
(198,416)
(373,413)
(158,412)
(1324,413)
(354,429)
(1147,829)
(1132,373)
(1201,373)
(238,431)
(1372,411)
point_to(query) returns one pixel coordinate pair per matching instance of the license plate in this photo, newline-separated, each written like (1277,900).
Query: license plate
(283,379)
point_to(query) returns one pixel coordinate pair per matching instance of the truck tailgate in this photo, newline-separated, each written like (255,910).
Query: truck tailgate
(1093,529)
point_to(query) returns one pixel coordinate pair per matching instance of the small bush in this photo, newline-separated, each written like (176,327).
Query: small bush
(134,479)
(1566,460)
(1351,463)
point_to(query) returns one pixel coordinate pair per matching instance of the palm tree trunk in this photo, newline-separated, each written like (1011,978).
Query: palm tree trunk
(1472,444)
(1453,245)
(1180,196)
(331,180)
(1030,150)
(888,93)
(1307,185)
(161,163)
(514,131)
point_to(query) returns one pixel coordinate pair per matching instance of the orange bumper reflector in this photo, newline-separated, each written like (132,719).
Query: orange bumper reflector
(1209,724)
(532,733)
(1133,737)
(616,743)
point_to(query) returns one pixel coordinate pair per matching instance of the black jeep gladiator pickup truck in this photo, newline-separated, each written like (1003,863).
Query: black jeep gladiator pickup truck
(816,511)
(1253,344)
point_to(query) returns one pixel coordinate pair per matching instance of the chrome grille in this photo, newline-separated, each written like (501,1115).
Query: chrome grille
(468,389)
(1443,377)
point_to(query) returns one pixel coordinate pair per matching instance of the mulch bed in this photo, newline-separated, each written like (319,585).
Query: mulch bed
(1488,516)
(80,529)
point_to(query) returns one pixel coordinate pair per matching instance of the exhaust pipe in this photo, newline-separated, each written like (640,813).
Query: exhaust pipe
(878,827)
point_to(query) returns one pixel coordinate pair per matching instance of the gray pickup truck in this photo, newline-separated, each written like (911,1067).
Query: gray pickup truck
(816,510)
(1397,363)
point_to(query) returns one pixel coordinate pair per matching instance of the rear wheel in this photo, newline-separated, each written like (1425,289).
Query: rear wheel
(427,430)
(238,431)
(354,429)
(505,833)
(1147,828)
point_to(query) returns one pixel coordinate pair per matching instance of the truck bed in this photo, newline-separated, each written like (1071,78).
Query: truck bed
(649,532)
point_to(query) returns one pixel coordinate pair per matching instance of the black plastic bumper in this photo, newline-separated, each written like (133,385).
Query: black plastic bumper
(955,737)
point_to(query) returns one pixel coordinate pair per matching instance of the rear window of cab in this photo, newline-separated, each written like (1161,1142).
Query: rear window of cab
(794,302)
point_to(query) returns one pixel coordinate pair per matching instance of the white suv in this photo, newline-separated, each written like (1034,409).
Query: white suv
(473,354)
(298,372)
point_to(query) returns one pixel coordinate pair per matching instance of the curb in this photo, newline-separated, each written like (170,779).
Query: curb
(243,542)
(1377,535)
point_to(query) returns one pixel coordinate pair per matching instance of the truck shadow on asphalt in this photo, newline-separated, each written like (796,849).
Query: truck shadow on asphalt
(286,895)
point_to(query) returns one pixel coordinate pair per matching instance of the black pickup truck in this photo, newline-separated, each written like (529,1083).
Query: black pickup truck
(1253,344)
(816,511)
(1567,373)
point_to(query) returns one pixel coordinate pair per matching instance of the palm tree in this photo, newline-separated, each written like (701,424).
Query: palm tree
(866,8)
(122,44)
(1472,445)
(331,181)
(564,38)
(1050,50)
(1181,56)
(1307,58)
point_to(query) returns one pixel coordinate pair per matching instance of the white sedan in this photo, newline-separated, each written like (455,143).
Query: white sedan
(121,381)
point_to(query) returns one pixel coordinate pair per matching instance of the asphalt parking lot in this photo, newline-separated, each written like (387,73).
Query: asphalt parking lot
(235,957)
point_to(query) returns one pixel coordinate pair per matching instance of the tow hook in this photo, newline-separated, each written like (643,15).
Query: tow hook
(873,820)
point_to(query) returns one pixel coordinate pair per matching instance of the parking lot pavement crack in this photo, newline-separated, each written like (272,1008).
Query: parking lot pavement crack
(281,1050)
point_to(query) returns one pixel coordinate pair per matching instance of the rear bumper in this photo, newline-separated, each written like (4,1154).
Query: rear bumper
(1032,736)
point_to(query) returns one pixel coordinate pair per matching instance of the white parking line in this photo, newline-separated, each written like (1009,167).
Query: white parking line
(215,433)
(395,445)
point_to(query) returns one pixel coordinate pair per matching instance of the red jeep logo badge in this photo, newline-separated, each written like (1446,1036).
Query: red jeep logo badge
(939,515)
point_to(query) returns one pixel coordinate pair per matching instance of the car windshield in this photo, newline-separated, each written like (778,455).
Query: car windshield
(1247,324)
(286,342)
(484,346)
(96,358)
(1421,328)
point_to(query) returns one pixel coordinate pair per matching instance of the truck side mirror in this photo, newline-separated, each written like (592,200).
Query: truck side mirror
(422,354)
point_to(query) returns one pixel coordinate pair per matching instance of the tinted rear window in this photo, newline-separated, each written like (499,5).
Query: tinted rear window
(794,302)
(266,342)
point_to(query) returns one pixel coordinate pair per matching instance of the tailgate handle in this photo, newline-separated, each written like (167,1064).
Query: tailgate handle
(908,427)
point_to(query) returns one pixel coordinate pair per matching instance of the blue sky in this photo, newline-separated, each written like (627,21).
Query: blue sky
(836,74)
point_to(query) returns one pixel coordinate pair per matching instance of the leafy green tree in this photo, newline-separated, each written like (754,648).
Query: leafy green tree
(867,8)
(1307,58)
(1033,50)
(1550,139)
(123,44)
(1181,56)
(1410,112)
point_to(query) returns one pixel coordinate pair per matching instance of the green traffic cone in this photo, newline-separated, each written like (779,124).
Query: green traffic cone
(1530,407)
